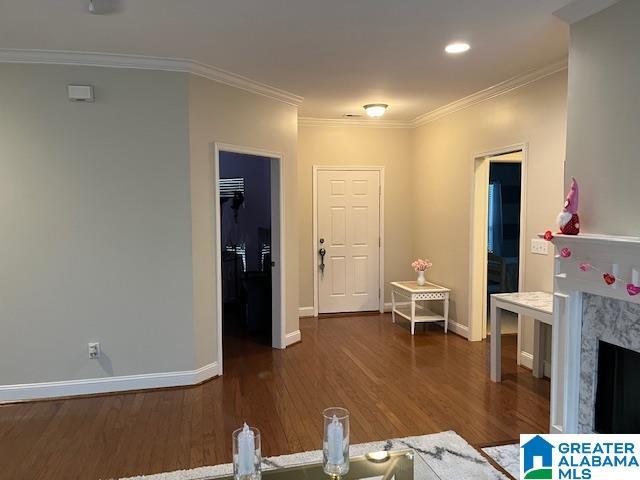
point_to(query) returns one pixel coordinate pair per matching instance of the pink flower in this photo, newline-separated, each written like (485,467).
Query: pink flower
(421,265)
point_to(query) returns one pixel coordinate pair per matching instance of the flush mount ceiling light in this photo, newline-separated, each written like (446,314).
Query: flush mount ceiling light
(376,110)
(457,47)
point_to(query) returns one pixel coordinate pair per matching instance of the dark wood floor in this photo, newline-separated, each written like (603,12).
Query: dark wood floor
(394,384)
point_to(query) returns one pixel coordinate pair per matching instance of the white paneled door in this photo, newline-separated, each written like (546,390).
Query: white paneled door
(348,229)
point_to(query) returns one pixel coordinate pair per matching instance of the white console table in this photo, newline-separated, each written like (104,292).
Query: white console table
(539,306)
(405,295)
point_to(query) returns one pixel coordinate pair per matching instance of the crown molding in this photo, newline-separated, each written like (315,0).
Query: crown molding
(581,9)
(244,83)
(466,102)
(96,59)
(347,122)
(491,92)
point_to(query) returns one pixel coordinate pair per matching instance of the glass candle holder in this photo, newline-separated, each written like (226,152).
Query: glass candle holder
(247,457)
(335,448)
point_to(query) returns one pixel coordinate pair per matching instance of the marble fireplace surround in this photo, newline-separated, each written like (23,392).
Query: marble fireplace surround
(610,320)
(585,311)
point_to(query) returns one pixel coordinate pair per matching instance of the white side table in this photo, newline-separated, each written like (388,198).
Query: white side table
(539,306)
(404,296)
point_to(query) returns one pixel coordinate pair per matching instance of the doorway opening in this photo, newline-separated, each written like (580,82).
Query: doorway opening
(503,232)
(245,229)
(497,235)
(249,248)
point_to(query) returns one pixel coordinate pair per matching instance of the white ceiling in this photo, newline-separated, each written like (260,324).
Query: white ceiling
(337,54)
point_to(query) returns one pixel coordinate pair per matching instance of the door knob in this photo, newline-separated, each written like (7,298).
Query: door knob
(322,252)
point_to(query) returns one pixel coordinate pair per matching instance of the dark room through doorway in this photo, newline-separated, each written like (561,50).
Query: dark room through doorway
(246,246)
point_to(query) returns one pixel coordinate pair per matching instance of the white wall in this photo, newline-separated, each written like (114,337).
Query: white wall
(219,113)
(106,220)
(429,173)
(345,145)
(107,208)
(443,171)
(95,224)
(603,141)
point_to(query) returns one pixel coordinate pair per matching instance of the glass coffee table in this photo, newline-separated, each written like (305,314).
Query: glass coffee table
(396,465)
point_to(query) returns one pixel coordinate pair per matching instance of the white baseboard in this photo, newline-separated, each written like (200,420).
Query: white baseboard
(305,312)
(308,311)
(526,360)
(458,328)
(293,337)
(89,386)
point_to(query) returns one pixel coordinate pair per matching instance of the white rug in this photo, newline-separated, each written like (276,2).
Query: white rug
(448,454)
(507,456)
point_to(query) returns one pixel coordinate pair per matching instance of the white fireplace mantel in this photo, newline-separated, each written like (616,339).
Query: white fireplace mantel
(619,256)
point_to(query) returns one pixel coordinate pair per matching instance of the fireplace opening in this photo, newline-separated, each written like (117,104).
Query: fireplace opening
(617,408)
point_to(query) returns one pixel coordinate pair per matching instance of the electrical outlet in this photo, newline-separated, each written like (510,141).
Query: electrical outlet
(539,246)
(94,350)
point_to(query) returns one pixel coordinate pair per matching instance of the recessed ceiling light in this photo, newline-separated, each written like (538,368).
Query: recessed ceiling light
(457,47)
(376,110)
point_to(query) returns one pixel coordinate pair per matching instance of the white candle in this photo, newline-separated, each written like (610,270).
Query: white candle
(246,451)
(335,439)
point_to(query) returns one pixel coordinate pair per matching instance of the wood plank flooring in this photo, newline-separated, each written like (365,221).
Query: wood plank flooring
(394,384)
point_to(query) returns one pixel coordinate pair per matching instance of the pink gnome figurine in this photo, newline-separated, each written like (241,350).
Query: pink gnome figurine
(568,219)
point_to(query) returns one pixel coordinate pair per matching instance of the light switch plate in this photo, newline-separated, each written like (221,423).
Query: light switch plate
(539,246)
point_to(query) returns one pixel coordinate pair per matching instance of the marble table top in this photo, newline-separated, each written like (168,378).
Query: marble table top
(413,287)
(541,301)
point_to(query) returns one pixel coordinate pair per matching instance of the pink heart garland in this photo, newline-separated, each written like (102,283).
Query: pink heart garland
(585,267)
(609,279)
(548,236)
(632,289)
(565,253)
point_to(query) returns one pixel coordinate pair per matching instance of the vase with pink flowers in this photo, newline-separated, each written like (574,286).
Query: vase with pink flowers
(421,266)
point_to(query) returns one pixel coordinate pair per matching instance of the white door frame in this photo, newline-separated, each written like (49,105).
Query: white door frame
(480,164)
(278,251)
(316,169)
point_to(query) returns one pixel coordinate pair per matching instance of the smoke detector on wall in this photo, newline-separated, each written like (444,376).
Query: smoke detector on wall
(104,7)
(80,93)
